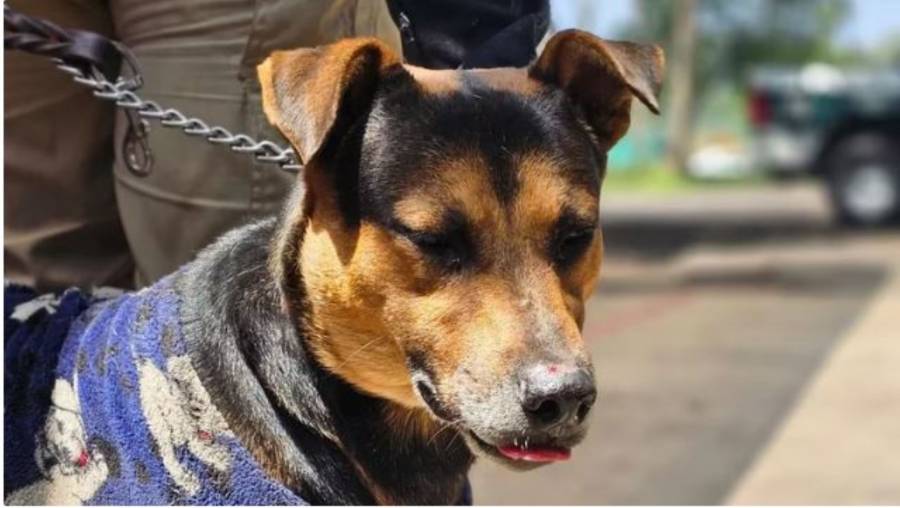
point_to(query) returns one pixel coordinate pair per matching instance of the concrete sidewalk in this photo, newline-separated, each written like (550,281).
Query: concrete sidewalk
(841,443)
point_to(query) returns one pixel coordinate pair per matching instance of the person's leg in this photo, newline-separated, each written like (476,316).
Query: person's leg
(61,224)
(198,56)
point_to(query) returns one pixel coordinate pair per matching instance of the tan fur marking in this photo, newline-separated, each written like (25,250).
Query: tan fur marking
(447,81)
(477,321)
(510,79)
(347,300)
(541,196)
(495,330)
(544,192)
(438,82)
(419,211)
(462,184)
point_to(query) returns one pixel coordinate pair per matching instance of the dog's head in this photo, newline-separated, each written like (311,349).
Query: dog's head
(448,236)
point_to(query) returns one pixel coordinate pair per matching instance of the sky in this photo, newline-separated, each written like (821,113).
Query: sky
(870,21)
(608,15)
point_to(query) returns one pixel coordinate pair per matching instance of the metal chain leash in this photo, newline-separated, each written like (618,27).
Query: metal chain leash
(124,96)
(41,37)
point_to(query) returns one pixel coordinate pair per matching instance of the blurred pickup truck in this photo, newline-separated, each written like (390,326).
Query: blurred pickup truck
(843,126)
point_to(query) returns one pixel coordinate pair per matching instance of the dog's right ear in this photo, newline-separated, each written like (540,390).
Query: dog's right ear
(313,95)
(601,77)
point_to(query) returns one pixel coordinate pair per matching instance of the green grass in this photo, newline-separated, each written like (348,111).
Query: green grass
(661,179)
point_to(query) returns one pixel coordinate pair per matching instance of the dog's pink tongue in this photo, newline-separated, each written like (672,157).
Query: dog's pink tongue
(536,454)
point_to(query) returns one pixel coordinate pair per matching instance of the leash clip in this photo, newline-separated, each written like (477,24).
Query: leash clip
(136,145)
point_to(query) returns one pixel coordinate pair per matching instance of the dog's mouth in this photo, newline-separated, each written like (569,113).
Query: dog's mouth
(521,453)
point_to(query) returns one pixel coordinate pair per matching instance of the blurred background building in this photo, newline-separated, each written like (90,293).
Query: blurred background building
(746,331)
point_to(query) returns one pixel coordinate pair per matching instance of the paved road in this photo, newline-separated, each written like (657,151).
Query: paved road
(714,315)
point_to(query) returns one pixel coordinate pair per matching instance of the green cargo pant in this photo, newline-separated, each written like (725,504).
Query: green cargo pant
(74,215)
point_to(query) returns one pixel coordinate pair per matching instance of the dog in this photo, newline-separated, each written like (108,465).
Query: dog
(417,304)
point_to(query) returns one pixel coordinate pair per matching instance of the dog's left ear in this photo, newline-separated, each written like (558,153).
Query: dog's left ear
(601,77)
(314,94)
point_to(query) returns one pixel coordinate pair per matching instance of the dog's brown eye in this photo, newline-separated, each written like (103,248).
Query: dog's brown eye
(448,246)
(449,250)
(570,245)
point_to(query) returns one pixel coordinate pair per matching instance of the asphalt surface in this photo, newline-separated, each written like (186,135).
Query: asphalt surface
(714,312)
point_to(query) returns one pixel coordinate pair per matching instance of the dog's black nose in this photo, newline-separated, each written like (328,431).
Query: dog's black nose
(554,394)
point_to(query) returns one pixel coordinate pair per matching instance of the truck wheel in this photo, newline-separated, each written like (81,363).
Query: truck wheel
(864,180)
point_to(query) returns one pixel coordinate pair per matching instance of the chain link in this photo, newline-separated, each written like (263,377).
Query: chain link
(123,95)
(101,64)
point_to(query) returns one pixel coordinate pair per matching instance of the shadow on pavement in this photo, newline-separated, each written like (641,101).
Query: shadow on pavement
(662,238)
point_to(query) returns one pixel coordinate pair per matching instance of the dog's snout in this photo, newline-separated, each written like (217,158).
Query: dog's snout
(556,395)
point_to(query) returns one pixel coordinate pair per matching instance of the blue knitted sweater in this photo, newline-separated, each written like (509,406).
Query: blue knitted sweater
(102,406)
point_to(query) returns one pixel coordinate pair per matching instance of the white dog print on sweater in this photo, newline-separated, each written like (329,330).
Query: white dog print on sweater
(23,311)
(179,412)
(72,472)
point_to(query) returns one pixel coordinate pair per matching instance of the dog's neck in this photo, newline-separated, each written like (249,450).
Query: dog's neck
(307,428)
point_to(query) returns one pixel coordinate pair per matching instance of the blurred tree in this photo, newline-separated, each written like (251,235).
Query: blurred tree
(681,82)
(888,52)
(787,32)
(731,38)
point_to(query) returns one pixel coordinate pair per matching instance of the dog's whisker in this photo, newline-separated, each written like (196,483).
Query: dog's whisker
(360,350)
(438,432)
(450,443)
(445,426)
